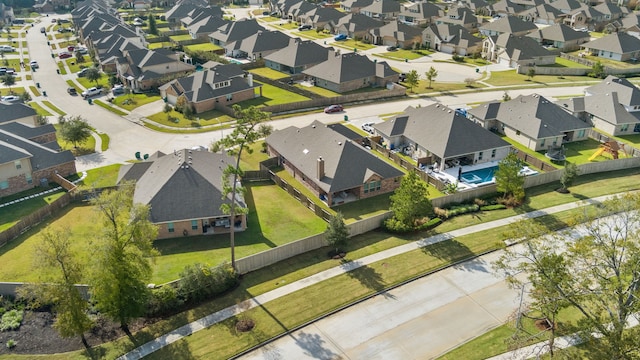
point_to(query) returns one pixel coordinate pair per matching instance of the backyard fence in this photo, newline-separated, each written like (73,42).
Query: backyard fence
(626,148)
(11,289)
(534,161)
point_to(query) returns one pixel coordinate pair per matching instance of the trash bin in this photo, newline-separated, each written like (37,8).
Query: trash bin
(44,93)
(48,43)
(346,118)
(58,71)
(38,85)
(90,101)
(53,56)
(406,60)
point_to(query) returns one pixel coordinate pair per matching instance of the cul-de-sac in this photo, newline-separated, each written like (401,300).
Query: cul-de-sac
(306,179)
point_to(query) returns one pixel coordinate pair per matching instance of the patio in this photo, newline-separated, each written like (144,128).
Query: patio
(468,178)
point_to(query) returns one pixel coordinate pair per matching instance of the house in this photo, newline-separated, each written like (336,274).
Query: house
(298,9)
(297,56)
(320,16)
(567,6)
(143,69)
(234,31)
(544,14)
(347,72)
(335,168)
(461,16)
(618,46)
(515,51)
(258,45)
(29,154)
(184,192)
(206,90)
(420,13)
(585,17)
(354,6)
(439,136)
(354,25)
(201,28)
(611,11)
(628,93)
(504,8)
(382,9)
(532,121)
(560,37)
(451,39)
(508,25)
(604,112)
(479,7)
(182,9)
(397,34)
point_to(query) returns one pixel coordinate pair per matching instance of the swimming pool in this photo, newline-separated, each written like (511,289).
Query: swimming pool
(479,176)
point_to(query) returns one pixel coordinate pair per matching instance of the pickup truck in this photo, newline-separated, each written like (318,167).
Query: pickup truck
(93,91)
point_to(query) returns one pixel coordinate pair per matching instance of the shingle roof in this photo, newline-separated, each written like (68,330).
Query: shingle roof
(604,106)
(260,41)
(398,30)
(299,53)
(454,34)
(180,186)
(346,164)
(486,111)
(619,43)
(509,25)
(237,30)
(521,47)
(347,67)
(537,117)
(382,7)
(13,111)
(559,32)
(359,22)
(628,94)
(14,147)
(442,131)
(421,10)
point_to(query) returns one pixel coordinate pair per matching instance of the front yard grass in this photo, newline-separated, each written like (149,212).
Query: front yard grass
(352,44)
(34,90)
(14,91)
(272,95)
(87,147)
(63,70)
(314,35)
(108,107)
(39,109)
(510,77)
(211,117)
(53,107)
(269,73)
(132,101)
(178,38)
(441,87)
(74,66)
(104,81)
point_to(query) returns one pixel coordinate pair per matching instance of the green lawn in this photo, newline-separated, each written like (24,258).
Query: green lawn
(104,141)
(87,147)
(272,95)
(102,177)
(211,117)
(440,87)
(202,47)
(178,38)
(104,81)
(106,106)
(132,101)
(14,91)
(61,67)
(10,215)
(34,91)
(562,62)
(74,66)
(159,45)
(269,19)
(73,84)
(39,109)
(269,73)
(352,44)
(313,35)
(284,25)
(402,54)
(53,107)
(510,77)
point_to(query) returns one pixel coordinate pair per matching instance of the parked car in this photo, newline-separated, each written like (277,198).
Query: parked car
(10,71)
(92,91)
(340,37)
(333,108)
(83,72)
(304,27)
(402,77)
(65,55)
(368,127)
(10,98)
(72,91)
(54,20)
(392,48)
(64,30)
(71,48)
(117,89)
(265,13)
(3,71)
(34,64)
(43,30)
(82,50)
(6,48)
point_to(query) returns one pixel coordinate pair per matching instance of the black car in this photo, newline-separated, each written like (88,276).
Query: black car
(392,48)
(304,27)
(72,91)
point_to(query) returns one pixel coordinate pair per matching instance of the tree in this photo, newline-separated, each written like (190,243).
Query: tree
(75,130)
(531,73)
(41,120)
(60,271)
(506,97)
(79,57)
(597,272)
(25,97)
(93,74)
(245,132)
(509,181)
(597,70)
(8,80)
(153,28)
(412,79)
(121,260)
(337,232)
(469,81)
(431,75)
(568,176)
(409,201)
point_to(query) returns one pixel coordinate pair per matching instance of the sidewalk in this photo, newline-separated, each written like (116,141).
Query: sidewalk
(260,300)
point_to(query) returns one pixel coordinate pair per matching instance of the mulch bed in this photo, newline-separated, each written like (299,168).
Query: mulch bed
(36,335)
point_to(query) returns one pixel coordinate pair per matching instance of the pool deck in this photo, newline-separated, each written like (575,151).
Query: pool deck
(451,174)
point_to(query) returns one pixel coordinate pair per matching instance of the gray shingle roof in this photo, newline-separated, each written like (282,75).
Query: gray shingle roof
(486,111)
(382,7)
(521,47)
(347,164)
(628,94)
(181,186)
(13,111)
(299,53)
(509,25)
(347,67)
(559,32)
(537,117)
(442,131)
(619,43)
(604,106)
(237,30)
(260,41)
(14,147)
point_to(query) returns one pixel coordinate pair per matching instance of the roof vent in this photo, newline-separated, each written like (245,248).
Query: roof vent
(339,142)
(186,167)
(313,126)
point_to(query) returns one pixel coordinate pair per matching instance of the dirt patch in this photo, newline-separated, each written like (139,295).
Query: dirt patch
(36,335)
(543,324)
(244,325)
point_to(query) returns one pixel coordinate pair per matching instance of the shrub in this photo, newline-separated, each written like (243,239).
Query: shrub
(395,225)
(493,207)
(457,58)
(163,301)
(432,223)
(199,281)
(440,212)
(509,201)
(11,320)
(11,344)
(480,202)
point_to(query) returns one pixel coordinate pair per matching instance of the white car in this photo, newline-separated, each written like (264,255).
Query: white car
(34,64)
(368,127)
(6,48)
(10,98)
(93,91)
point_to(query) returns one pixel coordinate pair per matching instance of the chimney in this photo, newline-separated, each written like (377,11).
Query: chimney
(250,79)
(320,168)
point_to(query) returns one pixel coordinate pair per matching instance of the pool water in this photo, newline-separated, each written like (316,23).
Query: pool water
(479,176)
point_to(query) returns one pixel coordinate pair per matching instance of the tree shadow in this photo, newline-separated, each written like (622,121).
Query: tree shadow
(312,344)
(451,251)
(367,276)
(178,350)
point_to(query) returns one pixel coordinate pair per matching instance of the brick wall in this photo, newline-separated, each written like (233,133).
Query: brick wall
(44,138)
(65,169)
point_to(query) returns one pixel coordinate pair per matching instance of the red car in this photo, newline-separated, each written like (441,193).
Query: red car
(333,108)
(71,48)
(65,55)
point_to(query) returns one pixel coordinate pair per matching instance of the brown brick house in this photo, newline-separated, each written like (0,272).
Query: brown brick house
(334,167)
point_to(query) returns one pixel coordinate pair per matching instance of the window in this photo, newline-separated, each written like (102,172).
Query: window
(493,153)
(229,97)
(372,186)
(194,224)
(18,164)
(581,133)
(542,142)
(4,185)
(624,127)
(29,178)
(480,155)
(170,227)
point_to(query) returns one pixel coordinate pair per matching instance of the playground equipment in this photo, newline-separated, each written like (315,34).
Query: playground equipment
(610,147)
